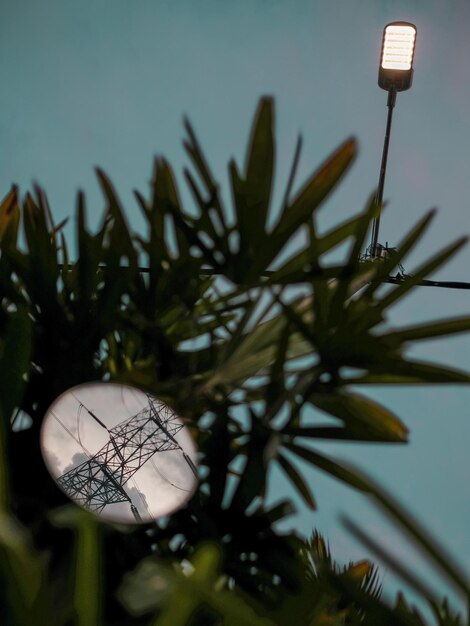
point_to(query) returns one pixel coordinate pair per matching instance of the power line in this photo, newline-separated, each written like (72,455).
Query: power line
(100,480)
(167,479)
(448,284)
(70,432)
(270,273)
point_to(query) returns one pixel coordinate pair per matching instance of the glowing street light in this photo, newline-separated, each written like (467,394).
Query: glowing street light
(396,63)
(395,74)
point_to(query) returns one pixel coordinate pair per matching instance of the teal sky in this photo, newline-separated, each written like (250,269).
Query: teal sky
(107,82)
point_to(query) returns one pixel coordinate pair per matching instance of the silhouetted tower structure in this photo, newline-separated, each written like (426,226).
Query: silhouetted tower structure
(100,480)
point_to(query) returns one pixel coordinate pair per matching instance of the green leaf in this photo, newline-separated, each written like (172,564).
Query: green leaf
(279,511)
(410,372)
(243,214)
(259,170)
(205,221)
(292,173)
(252,483)
(43,270)
(335,433)
(297,480)
(337,311)
(14,361)
(9,217)
(87,584)
(428,545)
(22,576)
(247,351)
(311,195)
(119,242)
(362,416)
(166,201)
(386,556)
(300,267)
(179,596)
(329,466)
(14,366)
(15,352)
(89,252)
(145,588)
(217,454)
(428,330)
(195,153)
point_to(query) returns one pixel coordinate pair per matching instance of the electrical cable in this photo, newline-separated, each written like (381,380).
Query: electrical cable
(269,273)
(452,284)
(70,433)
(79,415)
(167,479)
(97,420)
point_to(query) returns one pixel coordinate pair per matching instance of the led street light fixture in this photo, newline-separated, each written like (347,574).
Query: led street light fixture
(395,74)
(396,63)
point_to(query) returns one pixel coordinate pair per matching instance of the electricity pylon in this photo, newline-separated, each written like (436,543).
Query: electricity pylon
(100,480)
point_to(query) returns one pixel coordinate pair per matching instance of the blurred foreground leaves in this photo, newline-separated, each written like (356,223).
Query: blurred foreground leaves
(241,322)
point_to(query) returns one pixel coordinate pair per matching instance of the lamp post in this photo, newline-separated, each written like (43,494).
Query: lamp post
(395,74)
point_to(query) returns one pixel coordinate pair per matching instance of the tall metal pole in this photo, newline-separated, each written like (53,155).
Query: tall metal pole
(392,96)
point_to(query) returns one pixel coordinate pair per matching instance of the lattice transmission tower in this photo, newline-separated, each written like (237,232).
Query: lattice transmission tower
(100,480)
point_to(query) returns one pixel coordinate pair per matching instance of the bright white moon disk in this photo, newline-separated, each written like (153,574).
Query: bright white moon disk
(119,452)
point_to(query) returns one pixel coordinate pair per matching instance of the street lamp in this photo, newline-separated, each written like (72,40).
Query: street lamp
(396,63)
(395,74)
